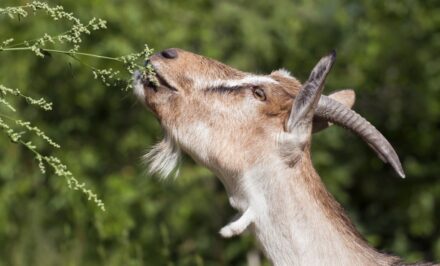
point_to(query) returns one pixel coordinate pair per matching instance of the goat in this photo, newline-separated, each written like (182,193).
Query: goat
(254,133)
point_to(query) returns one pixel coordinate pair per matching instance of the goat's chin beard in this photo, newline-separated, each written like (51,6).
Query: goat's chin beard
(163,158)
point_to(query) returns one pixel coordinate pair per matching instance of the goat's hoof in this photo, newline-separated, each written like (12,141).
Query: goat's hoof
(228,232)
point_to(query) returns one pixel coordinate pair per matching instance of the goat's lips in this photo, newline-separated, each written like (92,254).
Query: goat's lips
(163,82)
(150,83)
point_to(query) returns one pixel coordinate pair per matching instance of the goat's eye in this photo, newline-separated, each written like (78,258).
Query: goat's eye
(259,93)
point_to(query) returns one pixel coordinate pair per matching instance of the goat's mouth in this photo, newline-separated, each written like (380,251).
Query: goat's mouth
(163,82)
(156,80)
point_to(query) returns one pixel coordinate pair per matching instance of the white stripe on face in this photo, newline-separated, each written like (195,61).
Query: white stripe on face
(255,80)
(250,80)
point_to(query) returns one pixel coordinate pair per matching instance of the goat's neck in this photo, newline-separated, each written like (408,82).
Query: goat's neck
(297,221)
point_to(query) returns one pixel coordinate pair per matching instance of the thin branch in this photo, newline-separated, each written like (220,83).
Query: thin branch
(12,49)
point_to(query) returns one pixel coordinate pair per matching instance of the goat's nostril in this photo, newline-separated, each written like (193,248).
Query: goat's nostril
(169,53)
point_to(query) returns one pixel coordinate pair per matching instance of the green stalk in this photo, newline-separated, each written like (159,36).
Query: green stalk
(62,52)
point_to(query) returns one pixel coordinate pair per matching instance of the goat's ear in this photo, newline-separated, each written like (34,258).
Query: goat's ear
(281,73)
(300,120)
(346,97)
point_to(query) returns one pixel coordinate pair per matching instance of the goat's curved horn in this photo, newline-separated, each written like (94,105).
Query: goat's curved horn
(335,112)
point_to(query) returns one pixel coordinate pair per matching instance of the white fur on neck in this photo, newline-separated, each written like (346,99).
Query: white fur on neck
(288,221)
(163,158)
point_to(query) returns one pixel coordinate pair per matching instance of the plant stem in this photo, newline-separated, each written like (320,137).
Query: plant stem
(12,49)
(8,117)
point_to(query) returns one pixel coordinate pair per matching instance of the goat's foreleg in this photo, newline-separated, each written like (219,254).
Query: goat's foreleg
(239,225)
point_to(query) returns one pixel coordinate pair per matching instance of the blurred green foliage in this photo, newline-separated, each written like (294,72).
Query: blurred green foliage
(388,52)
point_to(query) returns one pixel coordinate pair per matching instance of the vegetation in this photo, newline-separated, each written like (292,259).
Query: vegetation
(388,53)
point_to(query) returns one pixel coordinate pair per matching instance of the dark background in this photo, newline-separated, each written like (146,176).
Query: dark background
(388,52)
